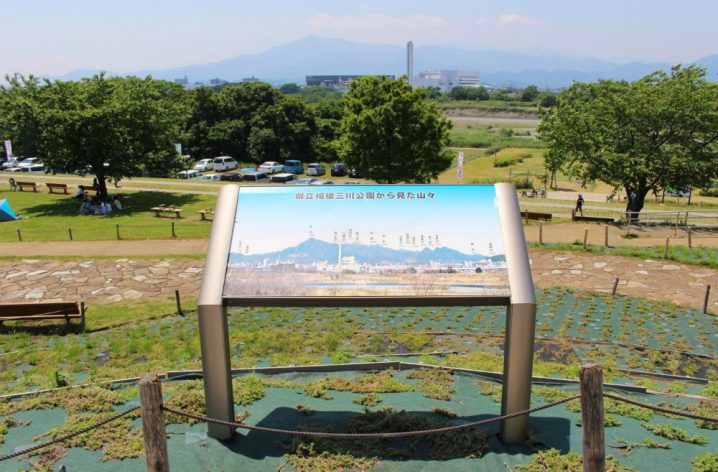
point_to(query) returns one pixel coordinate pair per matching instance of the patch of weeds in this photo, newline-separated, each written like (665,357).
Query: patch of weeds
(370,399)
(490,389)
(247,390)
(10,422)
(624,409)
(444,412)
(75,400)
(435,383)
(668,431)
(711,390)
(380,382)
(651,444)
(304,410)
(305,458)
(187,397)
(553,460)
(457,444)
(117,440)
(706,462)
(705,409)
(277,383)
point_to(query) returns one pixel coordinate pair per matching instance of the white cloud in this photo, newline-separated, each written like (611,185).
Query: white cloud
(376,21)
(515,19)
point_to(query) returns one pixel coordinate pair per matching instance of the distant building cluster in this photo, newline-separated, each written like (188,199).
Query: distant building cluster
(337,82)
(446,80)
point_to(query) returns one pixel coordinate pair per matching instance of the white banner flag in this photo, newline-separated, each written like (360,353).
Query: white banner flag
(460,169)
(8,149)
(178,148)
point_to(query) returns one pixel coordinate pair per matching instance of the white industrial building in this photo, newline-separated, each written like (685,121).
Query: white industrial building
(446,80)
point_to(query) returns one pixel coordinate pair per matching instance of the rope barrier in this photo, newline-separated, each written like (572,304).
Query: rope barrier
(399,434)
(68,435)
(659,409)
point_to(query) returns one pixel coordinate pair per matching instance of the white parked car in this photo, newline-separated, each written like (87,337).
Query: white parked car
(316,169)
(271,167)
(189,174)
(204,165)
(30,161)
(223,163)
(211,177)
(10,163)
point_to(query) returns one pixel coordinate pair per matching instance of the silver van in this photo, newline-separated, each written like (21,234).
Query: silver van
(223,163)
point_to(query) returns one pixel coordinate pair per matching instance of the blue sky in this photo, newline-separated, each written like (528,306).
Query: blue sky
(272,218)
(54,37)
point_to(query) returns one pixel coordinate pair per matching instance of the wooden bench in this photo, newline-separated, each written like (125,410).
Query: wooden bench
(534,215)
(203,214)
(90,188)
(43,311)
(597,219)
(33,185)
(166,209)
(52,187)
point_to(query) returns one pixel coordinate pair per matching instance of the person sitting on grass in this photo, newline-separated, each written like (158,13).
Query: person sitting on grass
(86,207)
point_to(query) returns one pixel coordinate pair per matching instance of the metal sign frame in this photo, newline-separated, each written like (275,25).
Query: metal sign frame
(520,313)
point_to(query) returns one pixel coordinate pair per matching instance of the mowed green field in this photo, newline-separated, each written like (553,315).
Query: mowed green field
(50,217)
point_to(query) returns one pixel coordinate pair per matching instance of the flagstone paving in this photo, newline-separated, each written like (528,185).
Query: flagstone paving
(128,278)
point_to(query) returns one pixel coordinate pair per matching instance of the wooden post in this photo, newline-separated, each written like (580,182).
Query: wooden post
(705,299)
(605,236)
(690,238)
(665,251)
(153,424)
(541,233)
(69,233)
(615,287)
(82,315)
(173,230)
(179,307)
(585,237)
(19,235)
(594,450)
(117,231)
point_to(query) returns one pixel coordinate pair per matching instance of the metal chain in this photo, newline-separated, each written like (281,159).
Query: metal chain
(399,434)
(68,435)
(658,408)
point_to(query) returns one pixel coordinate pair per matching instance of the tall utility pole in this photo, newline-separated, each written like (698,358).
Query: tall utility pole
(410,62)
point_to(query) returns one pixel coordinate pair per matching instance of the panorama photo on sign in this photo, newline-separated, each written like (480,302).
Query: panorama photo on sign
(367,241)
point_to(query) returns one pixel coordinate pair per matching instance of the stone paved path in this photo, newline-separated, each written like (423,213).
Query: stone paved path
(128,278)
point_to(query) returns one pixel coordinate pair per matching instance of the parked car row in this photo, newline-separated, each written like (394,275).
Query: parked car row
(291,166)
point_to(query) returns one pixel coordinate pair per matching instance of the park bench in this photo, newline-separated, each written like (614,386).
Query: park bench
(596,219)
(204,213)
(43,311)
(33,185)
(534,215)
(90,188)
(166,209)
(52,187)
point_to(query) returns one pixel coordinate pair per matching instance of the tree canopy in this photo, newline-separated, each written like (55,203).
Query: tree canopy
(659,131)
(109,127)
(390,133)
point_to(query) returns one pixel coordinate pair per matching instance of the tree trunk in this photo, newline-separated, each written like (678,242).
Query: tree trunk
(635,203)
(102,183)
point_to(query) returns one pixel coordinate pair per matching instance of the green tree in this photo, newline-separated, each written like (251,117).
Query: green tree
(109,127)
(390,133)
(530,93)
(290,89)
(251,121)
(640,135)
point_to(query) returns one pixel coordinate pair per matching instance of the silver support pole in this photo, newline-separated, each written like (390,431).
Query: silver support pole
(213,331)
(520,317)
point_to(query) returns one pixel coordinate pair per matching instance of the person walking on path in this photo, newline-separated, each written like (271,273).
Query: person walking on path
(579,204)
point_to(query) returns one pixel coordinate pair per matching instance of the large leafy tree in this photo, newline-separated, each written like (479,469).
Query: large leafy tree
(109,127)
(390,133)
(641,136)
(251,121)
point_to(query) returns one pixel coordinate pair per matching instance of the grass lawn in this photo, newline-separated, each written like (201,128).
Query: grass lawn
(480,136)
(490,105)
(48,217)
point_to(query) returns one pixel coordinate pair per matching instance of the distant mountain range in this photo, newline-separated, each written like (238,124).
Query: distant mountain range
(293,61)
(316,250)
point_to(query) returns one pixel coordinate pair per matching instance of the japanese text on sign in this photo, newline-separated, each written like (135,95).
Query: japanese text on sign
(364,195)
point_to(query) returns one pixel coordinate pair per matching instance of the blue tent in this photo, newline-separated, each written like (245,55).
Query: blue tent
(6,213)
